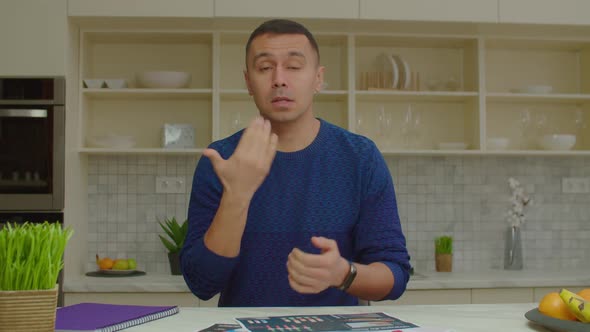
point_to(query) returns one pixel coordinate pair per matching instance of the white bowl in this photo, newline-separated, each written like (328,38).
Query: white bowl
(452,145)
(163,79)
(116,83)
(94,83)
(498,143)
(541,89)
(557,142)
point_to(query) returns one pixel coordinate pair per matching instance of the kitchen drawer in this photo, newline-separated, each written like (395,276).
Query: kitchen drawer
(502,295)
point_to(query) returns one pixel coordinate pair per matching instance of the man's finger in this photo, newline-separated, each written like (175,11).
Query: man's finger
(309,260)
(302,288)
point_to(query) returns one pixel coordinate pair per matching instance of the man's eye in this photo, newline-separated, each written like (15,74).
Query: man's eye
(265,68)
(294,67)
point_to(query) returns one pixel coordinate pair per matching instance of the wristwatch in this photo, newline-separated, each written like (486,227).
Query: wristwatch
(349,278)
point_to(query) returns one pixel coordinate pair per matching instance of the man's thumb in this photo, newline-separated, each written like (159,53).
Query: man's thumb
(323,243)
(214,156)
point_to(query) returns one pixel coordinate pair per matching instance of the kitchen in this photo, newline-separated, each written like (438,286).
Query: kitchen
(111,197)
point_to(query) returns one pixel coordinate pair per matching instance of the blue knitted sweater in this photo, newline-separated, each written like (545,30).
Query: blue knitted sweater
(338,187)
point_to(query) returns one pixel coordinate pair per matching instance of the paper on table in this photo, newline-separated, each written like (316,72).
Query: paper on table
(360,322)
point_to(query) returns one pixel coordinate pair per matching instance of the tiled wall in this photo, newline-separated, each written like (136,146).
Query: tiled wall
(466,197)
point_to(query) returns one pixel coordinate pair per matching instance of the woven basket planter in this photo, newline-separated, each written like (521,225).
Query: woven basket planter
(28,310)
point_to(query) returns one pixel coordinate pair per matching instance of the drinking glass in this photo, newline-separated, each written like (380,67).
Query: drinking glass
(411,127)
(580,122)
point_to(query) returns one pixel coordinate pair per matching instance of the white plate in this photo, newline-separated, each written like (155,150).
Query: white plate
(116,271)
(395,80)
(401,69)
(408,75)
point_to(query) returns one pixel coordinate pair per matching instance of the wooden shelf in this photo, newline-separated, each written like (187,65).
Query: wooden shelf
(529,97)
(92,151)
(521,153)
(147,93)
(396,95)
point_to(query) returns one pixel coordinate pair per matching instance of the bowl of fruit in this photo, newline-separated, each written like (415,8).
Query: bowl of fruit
(118,266)
(563,310)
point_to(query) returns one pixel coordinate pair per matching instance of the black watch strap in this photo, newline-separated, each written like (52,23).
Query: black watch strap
(349,278)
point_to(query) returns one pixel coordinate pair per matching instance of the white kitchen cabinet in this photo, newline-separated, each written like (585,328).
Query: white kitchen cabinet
(140,8)
(460,89)
(340,9)
(125,55)
(427,10)
(514,68)
(571,12)
(33,37)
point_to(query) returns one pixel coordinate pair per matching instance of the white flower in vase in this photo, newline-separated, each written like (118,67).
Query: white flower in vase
(519,200)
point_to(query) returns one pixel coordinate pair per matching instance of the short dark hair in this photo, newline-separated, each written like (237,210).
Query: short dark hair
(282,27)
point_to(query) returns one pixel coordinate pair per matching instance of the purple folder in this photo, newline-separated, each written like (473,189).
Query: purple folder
(107,317)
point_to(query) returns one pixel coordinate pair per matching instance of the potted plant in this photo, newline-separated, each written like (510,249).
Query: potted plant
(31,257)
(176,235)
(443,248)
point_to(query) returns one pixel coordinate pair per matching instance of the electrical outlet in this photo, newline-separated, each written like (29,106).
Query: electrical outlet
(575,185)
(170,185)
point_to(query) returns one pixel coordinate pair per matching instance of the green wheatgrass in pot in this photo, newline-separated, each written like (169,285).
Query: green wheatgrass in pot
(31,255)
(443,245)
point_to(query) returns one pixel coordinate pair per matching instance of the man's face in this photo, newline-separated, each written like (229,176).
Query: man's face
(283,75)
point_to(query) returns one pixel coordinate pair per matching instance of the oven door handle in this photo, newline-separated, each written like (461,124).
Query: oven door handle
(22,113)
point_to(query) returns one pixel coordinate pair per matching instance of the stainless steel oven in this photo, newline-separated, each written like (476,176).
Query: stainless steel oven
(32,143)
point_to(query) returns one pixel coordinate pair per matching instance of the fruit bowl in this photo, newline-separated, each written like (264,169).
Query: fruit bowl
(559,142)
(554,324)
(163,79)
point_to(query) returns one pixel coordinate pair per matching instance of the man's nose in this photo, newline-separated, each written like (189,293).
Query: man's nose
(278,78)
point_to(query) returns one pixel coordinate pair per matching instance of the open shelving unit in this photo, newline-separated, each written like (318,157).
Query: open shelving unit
(462,90)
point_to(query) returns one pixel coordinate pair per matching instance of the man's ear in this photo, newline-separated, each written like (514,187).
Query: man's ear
(247,81)
(320,78)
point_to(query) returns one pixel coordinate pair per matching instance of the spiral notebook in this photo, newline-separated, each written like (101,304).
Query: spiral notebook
(100,317)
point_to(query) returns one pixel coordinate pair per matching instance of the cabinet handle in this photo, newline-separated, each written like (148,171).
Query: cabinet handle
(23,113)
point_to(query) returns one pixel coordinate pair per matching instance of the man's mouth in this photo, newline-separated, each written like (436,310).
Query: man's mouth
(282,101)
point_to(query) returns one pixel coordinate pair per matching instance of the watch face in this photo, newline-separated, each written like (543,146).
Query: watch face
(349,278)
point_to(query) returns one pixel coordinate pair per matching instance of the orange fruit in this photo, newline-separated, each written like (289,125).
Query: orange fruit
(585,294)
(106,263)
(553,306)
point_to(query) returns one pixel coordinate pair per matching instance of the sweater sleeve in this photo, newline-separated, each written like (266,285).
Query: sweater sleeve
(205,272)
(379,236)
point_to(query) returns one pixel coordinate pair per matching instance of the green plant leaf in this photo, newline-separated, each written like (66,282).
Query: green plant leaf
(167,230)
(169,245)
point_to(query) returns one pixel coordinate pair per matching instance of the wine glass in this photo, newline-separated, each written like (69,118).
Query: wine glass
(580,122)
(360,124)
(410,127)
(384,122)
(525,126)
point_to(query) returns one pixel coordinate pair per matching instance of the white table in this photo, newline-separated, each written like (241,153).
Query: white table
(459,318)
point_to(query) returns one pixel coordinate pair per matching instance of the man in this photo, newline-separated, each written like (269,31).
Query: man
(292,211)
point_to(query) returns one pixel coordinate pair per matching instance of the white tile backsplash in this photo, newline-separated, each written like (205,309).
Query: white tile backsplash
(466,197)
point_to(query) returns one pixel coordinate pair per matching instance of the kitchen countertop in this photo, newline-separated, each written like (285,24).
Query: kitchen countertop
(433,280)
(456,318)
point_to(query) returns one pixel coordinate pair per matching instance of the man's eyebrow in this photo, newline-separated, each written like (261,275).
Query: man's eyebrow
(267,54)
